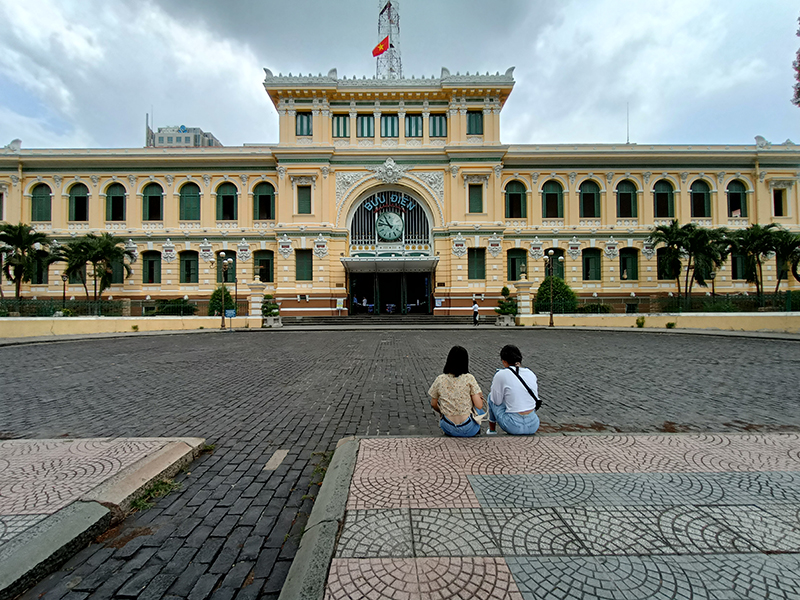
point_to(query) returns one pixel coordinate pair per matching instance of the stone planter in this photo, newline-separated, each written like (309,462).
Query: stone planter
(271,322)
(505,321)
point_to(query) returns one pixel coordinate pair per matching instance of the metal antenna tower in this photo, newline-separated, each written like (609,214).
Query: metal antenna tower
(389,63)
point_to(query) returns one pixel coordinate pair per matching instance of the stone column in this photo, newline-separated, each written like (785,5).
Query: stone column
(256,298)
(524,304)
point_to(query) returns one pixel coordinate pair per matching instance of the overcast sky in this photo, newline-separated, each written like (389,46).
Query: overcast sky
(83,73)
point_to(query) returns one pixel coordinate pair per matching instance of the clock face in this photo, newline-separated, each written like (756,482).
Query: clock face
(389,226)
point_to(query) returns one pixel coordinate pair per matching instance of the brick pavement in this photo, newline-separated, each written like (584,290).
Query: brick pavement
(233,528)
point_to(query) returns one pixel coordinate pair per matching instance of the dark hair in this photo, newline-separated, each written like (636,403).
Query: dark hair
(511,354)
(457,361)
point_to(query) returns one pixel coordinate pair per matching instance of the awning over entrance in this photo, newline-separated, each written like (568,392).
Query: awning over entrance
(390,264)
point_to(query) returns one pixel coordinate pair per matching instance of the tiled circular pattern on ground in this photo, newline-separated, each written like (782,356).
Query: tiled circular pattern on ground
(466,578)
(373,578)
(630,530)
(761,529)
(646,577)
(690,531)
(562,578)
(505,490)
(532,532)
(460,532)
(375,534)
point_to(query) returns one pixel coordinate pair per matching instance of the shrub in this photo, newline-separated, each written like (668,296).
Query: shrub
(564,298)
(178,306)
(506,306)
(640,322)
(671,325)
(216,300)
(269,308)
(594,308)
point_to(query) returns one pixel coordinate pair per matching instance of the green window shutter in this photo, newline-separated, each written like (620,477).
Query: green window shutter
(190,202)
(413,125)
(303,124)
(40,203)
(71,207)
(263,266)
(263,201)
(591,265)
(474,122)
(516,193)
(437,125)
(304,200)
(189,267)
(516,262)
(475,198)
(389,126)
(219,206)
(671,204)
(145,209)
(341,126)
(597,204)
(365,126)
(707,204)
(303,265)
(476,263)
(109,200)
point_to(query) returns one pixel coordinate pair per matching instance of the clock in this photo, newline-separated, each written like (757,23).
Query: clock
(389,226)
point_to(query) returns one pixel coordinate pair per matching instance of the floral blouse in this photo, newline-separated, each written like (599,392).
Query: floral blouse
(454,393)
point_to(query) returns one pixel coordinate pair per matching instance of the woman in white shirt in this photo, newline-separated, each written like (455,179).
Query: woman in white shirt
(510,403)
(455,395)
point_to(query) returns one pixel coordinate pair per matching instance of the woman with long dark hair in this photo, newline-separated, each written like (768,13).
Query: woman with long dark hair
(457,397)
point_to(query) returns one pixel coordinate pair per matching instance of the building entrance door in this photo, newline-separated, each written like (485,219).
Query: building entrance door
(391,293)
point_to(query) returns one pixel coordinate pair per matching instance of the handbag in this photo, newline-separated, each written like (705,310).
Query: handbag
(538,402)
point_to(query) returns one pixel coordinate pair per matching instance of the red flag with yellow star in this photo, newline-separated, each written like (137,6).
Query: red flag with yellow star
(382,47)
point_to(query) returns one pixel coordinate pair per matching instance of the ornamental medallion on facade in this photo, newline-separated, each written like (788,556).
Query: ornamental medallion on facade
(320,247)
(389,172)
(459,245)
(206,251)
(130,246)
(612,248)
(536,250)
(243,252)
(574,248)
(168,253)
(495,245)
(285,246)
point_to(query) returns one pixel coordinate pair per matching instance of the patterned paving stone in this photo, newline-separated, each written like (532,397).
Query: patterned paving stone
(459,532)
(375,534)
(562,578)
(630,530)
(506,490)
(760,528)
(466,578)
(689,530)
(532,532)
(373,578)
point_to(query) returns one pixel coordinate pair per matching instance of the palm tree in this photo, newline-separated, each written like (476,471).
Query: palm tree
(22,249)
(786,246)
(103,252)
(672,237)
(76,254)
(711,248)
(754,244)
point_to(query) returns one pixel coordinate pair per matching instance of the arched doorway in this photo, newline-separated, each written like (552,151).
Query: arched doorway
(390,265)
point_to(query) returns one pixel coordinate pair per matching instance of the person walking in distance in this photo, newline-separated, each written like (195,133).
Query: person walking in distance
(475,309)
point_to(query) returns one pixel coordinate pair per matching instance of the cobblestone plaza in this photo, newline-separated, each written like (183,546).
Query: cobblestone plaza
(234,526)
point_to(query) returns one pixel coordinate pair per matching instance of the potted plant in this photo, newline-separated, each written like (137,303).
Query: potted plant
(506,309)
(270,312)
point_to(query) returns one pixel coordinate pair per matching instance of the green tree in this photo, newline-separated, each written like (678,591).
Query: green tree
(102,252)
(22,249)
(672,238)
(220,300)
(269,308)
(76,254)
(564,298)
(508,305)
(754,244)
(705,249)
(786,246)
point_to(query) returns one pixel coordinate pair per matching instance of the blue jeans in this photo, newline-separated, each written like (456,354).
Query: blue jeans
(468,428)
(513,423)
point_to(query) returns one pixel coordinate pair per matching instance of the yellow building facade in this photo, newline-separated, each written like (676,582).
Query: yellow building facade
(395,196)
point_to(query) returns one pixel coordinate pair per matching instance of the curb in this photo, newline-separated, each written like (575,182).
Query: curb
(34,554)
(309,571)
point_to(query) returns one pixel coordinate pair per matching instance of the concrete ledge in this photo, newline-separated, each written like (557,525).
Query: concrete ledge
(120,491)
(309,571)
(30,556)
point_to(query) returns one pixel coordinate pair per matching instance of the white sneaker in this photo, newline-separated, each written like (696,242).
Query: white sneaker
(490,432)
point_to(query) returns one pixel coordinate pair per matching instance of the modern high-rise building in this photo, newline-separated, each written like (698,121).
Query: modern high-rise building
(181,137)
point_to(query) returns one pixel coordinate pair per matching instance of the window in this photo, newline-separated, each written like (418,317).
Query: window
(40,203)
(778,203)
(226,202)
(151,267)
(78,277)
(515,200)
(161,139)
(40,268)
(303,199)
(629,264)
(474,122)
(303,123)
(476,263)
(437,125)
(152,203)
(664,270)
(664,200)
(341,126)
(738,266)
(1,205)
(189,267)
(117,273)
(516,264)
(737,199)
(389,126)
(475,198)
(552,200)
(365,126)
(115,202)
(304,265)
(626,200)
(413,126)
(169,139)
(226,275)
(591,264)
(263,202)
(590,200)
(701,199)
(79,203)
(190,202)
(263,265)
(186,139)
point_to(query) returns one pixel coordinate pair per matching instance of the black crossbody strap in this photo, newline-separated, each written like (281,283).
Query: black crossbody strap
(530,391)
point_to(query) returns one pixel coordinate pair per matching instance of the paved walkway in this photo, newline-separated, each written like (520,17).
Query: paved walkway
(56,495)
(602,516)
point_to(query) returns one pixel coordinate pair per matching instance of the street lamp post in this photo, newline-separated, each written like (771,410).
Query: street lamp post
(64,278)
(549,261)
(712,276)
(224,265)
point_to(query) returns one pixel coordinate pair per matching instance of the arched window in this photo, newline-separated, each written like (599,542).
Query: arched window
(151,267)
(737,199)
(516,264)
(226,202)
(663,199)
(591,264)
(552,200)
(115,202)
(263,264)
(263,202)
(558,265)
(590,200)
(189,266)
(40,203)
(79,203)
(701,199)
(629,264)
(664,269)
(626,200)
(189,209)
(152,203)
(226,275)
(515,200)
